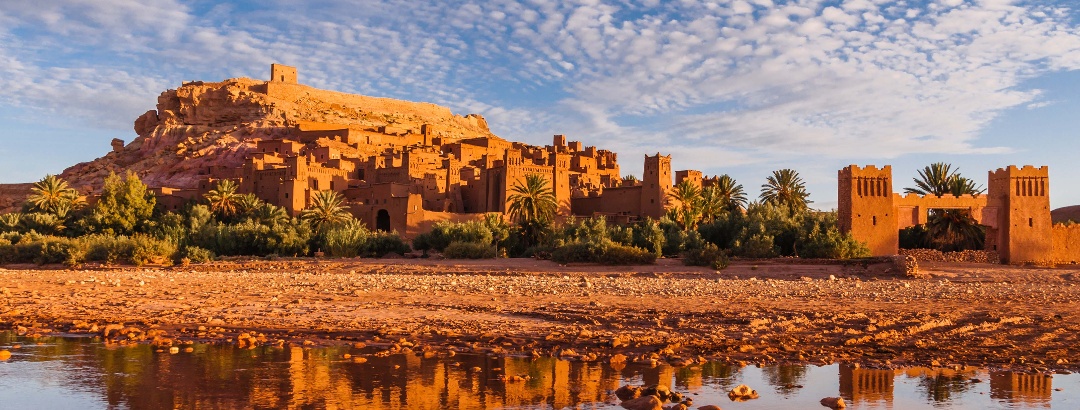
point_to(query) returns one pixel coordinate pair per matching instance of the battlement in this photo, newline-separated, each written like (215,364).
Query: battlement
(913,196)
(1025,171)
(855,170)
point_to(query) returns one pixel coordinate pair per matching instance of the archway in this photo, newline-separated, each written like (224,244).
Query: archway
(382,220)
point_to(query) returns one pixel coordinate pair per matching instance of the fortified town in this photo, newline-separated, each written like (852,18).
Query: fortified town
(407,178)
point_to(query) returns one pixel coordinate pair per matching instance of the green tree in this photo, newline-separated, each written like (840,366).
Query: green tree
(940,179)
(53,195)
(327,208)
(532,206)
(125,206)
(685,198)
(785,188)
(724,196)
(948,229)
(223,198)
(247,205)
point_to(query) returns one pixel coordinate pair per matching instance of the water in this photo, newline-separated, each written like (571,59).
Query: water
(81,373)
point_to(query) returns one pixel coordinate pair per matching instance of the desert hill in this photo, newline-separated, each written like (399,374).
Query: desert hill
(1066,213)
(202,125)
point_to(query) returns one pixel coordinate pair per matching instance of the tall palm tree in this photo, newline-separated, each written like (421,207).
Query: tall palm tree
(785,188)
(685,197)
(269,214)
(248,204)
(327,208)
(223,198)
(949,229)
(532,206)
(730,193)
(940,179)
(53,195)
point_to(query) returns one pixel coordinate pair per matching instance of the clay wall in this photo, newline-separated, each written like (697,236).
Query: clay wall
(656,183)
(913,209)
(691,175)
(1066,244)
(622,200)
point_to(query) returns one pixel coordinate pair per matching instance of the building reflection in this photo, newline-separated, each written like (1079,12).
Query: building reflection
(1024,389)
(858,385)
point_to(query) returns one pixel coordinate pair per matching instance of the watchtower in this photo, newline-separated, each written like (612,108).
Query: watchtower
(283,74)
(655,184)
(1022,196)
(865,207)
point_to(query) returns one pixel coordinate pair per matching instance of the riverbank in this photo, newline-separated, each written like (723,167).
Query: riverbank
(983,315)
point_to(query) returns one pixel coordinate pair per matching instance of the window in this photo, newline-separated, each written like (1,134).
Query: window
(1031,222)
(875,220)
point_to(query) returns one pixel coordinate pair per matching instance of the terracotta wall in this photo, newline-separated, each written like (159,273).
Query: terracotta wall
(1066,243)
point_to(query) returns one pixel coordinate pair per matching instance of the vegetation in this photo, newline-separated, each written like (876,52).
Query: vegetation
(786,189)
(706,227)
(946,229)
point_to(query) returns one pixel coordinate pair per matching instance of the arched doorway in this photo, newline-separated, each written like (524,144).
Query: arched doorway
(382,220)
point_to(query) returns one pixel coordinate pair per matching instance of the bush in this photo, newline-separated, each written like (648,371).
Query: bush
(469,250)
(346,240)
(254,239)
(148,249)
(384,243)
(194,254)
(606,252)
(707,255)
(107,248)
(831,244)
(444,233)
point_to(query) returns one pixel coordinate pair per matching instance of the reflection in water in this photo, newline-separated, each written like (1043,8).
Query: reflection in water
(866,385)
(214,376)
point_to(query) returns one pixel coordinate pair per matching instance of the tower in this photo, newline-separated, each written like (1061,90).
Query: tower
(865,208)
(655,185)
(1024,228)
(282,73)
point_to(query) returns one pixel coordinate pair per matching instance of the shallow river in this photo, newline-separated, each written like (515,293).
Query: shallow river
(81,373)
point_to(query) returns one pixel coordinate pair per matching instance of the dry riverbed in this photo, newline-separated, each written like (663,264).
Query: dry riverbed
(753,312)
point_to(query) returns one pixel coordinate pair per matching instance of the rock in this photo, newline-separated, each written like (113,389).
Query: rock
(643,403)
(742,392)
(117,145)
(111,331)
(174,350)
(660,391)
(628,392)
(833,402)
(678,406)
(709,407)
(4,355)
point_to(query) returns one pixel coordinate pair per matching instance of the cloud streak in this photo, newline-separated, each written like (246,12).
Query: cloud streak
(747,81)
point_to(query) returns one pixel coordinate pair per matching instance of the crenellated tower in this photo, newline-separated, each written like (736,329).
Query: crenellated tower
(656,183)
(1022,198)
(865,207)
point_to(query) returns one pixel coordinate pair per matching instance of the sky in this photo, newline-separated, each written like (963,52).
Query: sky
(738,87)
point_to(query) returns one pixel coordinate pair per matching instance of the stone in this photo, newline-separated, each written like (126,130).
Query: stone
(833,402)
(660,391)
(4,355)
(628,392)
(678,406)
(643,403)
(742,392)
(709,407)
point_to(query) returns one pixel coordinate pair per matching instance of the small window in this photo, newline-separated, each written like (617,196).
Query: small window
(286,194)
(1031,222)
(652,201)
(875,220)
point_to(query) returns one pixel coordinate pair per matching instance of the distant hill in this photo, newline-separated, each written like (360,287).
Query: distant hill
(1063,214)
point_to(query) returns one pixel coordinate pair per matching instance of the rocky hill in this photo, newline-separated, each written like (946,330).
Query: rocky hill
(202,125)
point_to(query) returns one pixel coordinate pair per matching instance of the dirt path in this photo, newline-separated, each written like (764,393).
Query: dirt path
(764,311)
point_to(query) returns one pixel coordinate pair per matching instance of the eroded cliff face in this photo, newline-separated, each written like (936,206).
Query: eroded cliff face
(203,125)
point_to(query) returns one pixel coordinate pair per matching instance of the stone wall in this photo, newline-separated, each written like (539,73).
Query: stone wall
(1066,243)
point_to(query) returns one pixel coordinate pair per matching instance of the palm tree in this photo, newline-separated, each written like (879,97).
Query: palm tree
(730,194)
(327,208)
(949,229)
(532,206)
(223,198)
(248,204)
(53,195)
(940,179)
(785,188)
(686,198)
(269,214)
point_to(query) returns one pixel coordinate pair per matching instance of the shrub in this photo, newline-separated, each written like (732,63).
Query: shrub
(758,245)
(383,243)
(606,252)
(831,244)
(148,249)
(442,234)
(254,239)
(346,240)
(194,254)
(707,255)
(469,250)
(107,248)
(648,235)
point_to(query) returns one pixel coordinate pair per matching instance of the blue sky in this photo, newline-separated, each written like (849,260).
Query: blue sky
(740,87)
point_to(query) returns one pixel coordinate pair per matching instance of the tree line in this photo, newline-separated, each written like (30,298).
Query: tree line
(705,226)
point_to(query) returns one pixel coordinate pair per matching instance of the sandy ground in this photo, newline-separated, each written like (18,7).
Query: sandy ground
(753,312)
